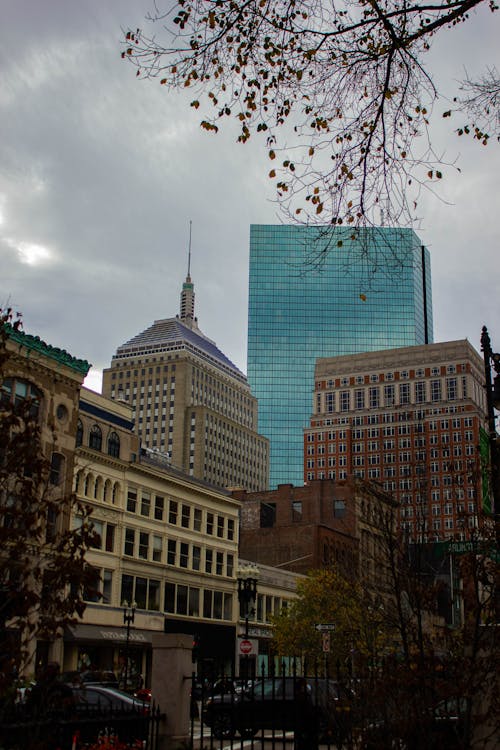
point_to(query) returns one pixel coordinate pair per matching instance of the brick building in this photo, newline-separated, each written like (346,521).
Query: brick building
(316,525)
(410,419)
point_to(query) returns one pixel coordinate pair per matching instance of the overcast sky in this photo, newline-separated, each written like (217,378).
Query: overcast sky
(100,174)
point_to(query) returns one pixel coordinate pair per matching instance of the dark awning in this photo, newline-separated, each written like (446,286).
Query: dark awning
(102,633)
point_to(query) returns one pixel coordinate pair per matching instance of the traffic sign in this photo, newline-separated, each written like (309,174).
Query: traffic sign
(322,627)
(246,647)
(326,642)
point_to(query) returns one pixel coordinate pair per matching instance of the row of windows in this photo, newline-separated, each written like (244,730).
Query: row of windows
(180,514)
(389,395)
(390,376)
(177,599)
(95,440)
(146,546)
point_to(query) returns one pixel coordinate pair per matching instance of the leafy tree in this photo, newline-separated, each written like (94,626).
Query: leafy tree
(339,90)
(325,596)
(42,561)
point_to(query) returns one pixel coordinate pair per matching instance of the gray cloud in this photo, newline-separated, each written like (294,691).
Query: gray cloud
(105,171)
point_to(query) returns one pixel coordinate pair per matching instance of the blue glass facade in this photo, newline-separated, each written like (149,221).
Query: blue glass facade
(368,294)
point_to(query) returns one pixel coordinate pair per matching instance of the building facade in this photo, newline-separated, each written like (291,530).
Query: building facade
(321,524)
(51,379)
(315,292)
(411,419)
(165,541)
(190,402)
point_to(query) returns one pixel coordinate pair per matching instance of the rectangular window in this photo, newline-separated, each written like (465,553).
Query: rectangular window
(344,400)
(196,558)
(209,558)
(171,552)
(186,516)
(420,392)
(374,398)
(107,586)
(219,563)
(169,597)
(157,548)
(129,542)
(197,519)
(159,507)
(154,595)
(182,600)
(184,555)
(109,543)
(359,399)
(435,390)
(230,529)
(131,501)
(194,602)
(404,393)
(389,395)
(296,511)
(141,592)
(210,524)
(143,545)
(172,512)
(220,526)
(145,503)
(451,389)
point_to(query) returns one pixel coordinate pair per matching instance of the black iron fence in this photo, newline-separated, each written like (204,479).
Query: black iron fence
(285,710)
(87,728)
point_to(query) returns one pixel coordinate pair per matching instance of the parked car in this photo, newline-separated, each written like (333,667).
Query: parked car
(317,706)
(90,677)
(442,726)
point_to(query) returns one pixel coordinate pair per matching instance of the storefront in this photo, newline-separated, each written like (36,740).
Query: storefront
(105,648)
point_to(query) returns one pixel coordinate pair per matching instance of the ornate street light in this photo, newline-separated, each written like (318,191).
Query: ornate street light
(128,620)
(491,358)
(247,591)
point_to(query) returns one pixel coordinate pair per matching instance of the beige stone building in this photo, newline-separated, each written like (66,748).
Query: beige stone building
(167,542)
(190,402)
(410,419)
(52,379)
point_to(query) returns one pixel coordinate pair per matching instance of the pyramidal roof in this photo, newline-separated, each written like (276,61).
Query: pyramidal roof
(179,333)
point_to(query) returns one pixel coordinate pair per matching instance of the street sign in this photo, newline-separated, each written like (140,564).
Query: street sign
(326,642)
(247,647)
(322,627)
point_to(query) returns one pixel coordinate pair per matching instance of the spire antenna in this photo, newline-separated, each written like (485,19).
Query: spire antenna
(189,252)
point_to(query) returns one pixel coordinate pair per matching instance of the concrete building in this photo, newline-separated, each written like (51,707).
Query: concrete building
(316,292)
(190,402)
(411,419)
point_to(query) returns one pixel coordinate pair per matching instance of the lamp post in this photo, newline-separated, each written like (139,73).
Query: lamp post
(128,620)
(247,576)
(492,403)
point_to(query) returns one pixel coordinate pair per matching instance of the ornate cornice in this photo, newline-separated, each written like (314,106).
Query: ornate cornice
(35,343)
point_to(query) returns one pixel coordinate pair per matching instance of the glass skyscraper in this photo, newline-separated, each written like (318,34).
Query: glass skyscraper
(317,292)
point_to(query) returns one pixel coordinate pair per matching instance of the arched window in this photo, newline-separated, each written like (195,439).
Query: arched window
(107,491)
(78,481)
(16,391)
(95,437)
(88,482)
(116,493)
(98,488)
(79,433)
(114,445)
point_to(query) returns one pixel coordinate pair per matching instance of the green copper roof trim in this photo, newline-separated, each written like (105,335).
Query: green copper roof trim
(36,344)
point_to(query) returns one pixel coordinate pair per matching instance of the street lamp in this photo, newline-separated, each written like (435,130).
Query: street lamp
(492,403)
(128,620)
(248,575)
